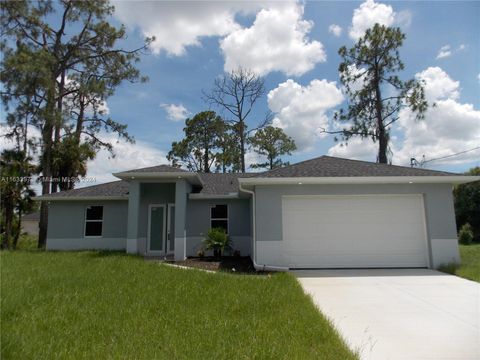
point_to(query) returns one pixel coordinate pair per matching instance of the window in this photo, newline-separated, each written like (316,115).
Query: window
(93,221)
(219,217)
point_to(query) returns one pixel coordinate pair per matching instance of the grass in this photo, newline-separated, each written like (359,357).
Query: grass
(86,305)
(27,242)
(470,263)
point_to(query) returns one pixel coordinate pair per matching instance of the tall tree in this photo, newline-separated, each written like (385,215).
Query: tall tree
(236,93)
(42,55)
(272,142)
(197,151)
(15,191)
(228,152)
(375,93)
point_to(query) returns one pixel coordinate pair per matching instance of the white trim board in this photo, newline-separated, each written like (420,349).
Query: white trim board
(360,180)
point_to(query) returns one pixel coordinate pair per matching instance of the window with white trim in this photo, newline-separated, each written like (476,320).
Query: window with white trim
(219,217)
(93,221)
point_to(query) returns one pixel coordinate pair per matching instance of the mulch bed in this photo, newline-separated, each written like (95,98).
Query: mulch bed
(227,263)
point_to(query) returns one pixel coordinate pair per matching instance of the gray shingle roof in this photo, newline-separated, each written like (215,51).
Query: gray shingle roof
(327,166)
(157,168)
(115,188)
(224,184)
(221,184)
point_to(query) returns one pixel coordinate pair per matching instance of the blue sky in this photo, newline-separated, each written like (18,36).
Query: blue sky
(294,45)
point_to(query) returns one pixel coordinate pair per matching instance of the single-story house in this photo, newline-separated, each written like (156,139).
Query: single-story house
(322,213)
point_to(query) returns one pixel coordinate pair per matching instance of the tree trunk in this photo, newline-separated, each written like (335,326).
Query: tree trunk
(382,146)
(58,125)
(242,145)
(8,223)
(46,164)
(19,230)
(206,168)
(382,134)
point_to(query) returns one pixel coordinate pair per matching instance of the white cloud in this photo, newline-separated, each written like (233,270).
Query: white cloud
(449,127)
(444,52)
(370,12)
(175,112)
(403,18)
(438,85)
(478,77)
(335,30)
(277,41)
(127,156)
(356,149)
(177,25)
(301,111)
(367,15)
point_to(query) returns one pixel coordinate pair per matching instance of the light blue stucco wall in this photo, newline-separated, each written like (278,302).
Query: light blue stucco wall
(66,225)
(198,215)
(239,224)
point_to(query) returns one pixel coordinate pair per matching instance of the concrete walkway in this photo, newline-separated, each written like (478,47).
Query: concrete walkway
(400,314)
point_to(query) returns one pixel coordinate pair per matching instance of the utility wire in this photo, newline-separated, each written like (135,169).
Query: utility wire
(449,156)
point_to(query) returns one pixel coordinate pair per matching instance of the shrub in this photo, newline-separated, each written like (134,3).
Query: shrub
(465,235)
(449,268)
(201,253)
(217,240)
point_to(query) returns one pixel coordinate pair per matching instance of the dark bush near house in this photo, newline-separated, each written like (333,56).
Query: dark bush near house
(218,241)
(449,268)
(465,235)
(467,204)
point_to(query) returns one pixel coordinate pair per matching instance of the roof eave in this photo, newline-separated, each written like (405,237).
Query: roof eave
(213,196)
(455,179)
(128,176)
(80,198)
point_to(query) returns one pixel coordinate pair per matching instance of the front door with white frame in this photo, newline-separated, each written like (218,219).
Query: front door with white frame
(156,229)
(171,229)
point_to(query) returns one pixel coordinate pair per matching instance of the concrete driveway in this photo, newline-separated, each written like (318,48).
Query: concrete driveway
(400,313)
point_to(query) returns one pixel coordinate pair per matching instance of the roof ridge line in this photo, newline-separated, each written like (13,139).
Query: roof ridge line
(383,164)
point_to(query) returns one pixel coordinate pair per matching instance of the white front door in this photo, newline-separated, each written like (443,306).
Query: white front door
(171,229)
(156,229)
(354,231)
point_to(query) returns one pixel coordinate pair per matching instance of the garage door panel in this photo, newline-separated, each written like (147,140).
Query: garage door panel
(354,231)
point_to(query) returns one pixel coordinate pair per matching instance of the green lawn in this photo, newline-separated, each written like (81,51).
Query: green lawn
(100,305)
(470,266)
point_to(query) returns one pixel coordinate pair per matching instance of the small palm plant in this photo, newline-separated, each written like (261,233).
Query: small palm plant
(218,241)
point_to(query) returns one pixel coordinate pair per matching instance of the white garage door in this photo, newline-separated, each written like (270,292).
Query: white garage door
(354,231)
